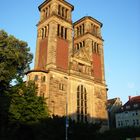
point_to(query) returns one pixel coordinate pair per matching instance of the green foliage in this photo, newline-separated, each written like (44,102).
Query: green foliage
(20,107)
(83,131)
(26,106)
(120,134)
(14,59)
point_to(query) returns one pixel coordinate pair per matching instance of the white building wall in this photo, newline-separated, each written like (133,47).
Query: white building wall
(128,118)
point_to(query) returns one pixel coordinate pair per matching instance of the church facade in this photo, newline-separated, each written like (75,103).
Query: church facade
(69,63)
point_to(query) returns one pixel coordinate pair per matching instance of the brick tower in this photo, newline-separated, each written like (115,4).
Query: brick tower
(69,68)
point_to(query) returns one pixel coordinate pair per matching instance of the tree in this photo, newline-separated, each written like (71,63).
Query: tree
(19,103)
(26,107)
(15,58)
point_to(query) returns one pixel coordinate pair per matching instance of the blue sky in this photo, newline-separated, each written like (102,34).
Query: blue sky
(121,32)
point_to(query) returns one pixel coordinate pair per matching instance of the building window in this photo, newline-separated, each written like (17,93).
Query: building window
(61,31)
(61,86)
(43,78)
(77,31)
(65,33)
(59,7)
(42,33)
(83,28)
(135,105)
(58,29)
(83,43)
(80,45)
(66,13)
(95,47)
(80,30)
(81,104)
(137,122)
(118,123)
(121,123)
(134,122)
(62,11)
(127,107)
(36,78)
(45,30)
(133,114)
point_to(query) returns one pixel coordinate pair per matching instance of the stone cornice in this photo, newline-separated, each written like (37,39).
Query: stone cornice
(36,70)
(90,18)
(47,1)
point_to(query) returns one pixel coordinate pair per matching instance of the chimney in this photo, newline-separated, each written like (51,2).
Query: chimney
(129,97)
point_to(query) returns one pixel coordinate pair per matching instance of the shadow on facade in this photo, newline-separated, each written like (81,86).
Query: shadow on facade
(54,128)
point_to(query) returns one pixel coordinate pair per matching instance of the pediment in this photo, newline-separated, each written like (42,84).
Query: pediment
(83,54)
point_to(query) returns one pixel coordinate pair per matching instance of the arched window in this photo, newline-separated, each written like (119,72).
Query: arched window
(81,45)
(81,104)
(77,48)
(62,11)
(77,31)
(59,7)
(42,33)
(45,30)
(62,31)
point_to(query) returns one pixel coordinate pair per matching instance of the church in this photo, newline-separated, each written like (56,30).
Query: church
(69,63)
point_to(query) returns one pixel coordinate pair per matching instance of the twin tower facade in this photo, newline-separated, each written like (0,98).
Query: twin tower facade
(69,63)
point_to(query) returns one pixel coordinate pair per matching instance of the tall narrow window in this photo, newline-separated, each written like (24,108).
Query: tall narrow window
(36,78)
(43,14)
(77,47)
(81,104)
(43,79)
(94,30)
(58,27)
(80,44)
(95,44)
(83,29)
(59,7)
(62,30)
(83,43)
(66,13)
(45,31)
(61,86)
(62,11)
(46,12)
(77,31)
(65,33)
(97,48)
(42,33)
(80,30)
(48,29)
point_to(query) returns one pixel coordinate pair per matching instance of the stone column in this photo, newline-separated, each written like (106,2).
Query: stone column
(102,62)
(52,45)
